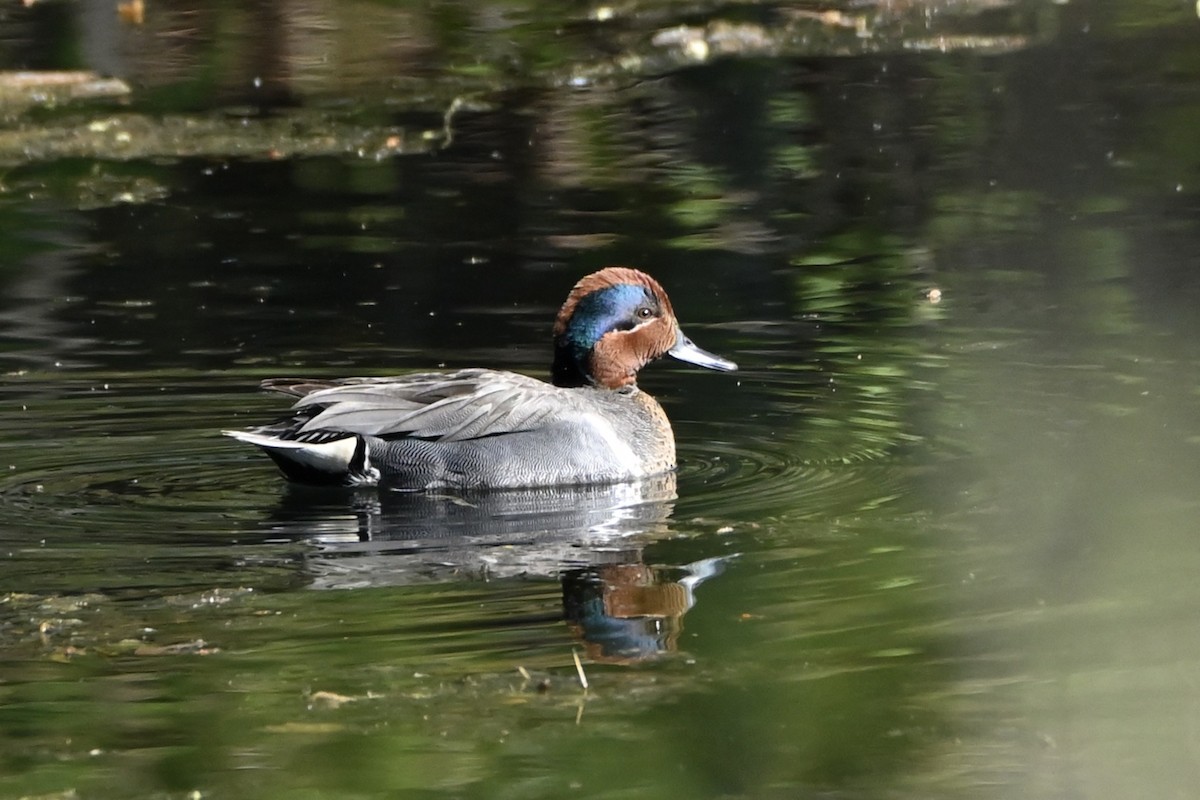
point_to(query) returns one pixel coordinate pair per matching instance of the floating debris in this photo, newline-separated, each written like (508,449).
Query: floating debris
(583,681)
(196,647)
(26,88)
(329,699)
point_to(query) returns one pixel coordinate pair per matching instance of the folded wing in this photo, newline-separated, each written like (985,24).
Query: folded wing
(455,406)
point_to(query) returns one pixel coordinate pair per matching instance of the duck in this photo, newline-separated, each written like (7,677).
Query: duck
(492,429)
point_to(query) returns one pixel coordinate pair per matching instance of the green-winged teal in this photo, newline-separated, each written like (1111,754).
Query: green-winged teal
(482,428)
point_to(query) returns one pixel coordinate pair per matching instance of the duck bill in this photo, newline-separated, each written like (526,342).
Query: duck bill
(686,350)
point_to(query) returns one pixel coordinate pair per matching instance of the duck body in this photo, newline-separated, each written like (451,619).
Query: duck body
(475,428)
(481,428)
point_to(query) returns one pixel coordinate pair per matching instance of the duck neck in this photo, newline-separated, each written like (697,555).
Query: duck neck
(568,371)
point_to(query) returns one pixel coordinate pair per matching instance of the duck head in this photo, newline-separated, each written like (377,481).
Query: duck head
(613,323)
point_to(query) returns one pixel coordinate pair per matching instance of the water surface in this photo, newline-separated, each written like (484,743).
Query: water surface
(936,538)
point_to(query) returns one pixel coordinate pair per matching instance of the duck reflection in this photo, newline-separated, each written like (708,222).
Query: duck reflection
(590,537)
(632,612)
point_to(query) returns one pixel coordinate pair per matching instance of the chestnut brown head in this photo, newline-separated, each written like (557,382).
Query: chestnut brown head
(612,324)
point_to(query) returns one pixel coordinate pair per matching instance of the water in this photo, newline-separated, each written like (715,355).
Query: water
(936,538)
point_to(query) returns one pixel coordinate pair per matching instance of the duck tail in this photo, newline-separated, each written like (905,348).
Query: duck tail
(322,458)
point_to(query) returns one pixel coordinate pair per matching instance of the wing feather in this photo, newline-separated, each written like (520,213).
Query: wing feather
(455,406)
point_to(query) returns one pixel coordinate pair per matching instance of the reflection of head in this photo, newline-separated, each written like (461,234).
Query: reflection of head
(631,612)
(613,611)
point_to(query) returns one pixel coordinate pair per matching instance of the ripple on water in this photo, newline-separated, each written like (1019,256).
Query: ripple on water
(796,469)
(139,471)
(137,480)
(116,459)
(128,487)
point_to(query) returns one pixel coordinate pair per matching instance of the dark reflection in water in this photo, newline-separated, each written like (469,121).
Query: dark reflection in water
(591,538)
(385,537)
(630,611)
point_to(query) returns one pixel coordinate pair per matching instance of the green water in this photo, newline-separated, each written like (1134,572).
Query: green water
(936,538)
